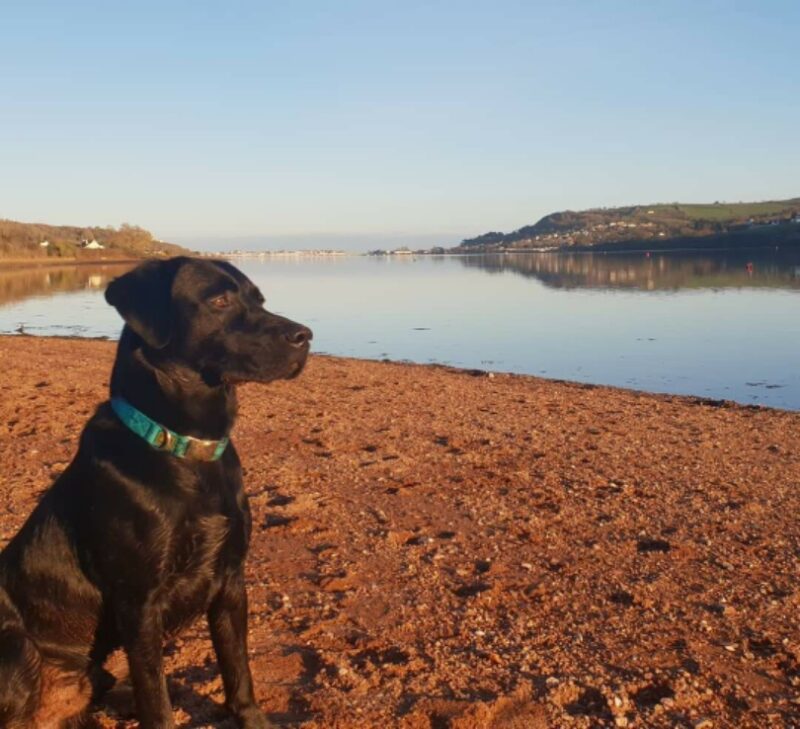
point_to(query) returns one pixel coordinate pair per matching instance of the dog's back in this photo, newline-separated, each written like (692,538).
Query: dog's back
(20,669)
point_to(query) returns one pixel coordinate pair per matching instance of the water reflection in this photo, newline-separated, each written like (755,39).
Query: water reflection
(17,284)
(696,323)
(775,268)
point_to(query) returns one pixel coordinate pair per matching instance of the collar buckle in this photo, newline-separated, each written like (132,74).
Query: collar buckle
(163,440)
(202,450)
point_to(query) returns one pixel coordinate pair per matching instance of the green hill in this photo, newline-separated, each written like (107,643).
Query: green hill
(38,241)
(660,225)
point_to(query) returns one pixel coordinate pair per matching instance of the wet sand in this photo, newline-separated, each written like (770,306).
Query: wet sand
(434,548)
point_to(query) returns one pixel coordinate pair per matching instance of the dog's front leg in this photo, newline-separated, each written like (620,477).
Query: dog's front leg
(143,636)
(227,620)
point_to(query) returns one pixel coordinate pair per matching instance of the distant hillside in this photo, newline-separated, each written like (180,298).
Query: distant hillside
(652,226)
(37,241)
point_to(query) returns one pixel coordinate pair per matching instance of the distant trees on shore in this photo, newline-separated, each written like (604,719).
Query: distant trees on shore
(36,240)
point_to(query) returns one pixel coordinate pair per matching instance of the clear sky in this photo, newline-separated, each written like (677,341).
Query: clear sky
(349,122)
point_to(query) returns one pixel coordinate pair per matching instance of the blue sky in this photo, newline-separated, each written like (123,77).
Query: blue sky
(305,123)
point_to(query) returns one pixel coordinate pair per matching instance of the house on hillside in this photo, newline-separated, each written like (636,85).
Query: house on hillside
(44,244)
(92,245)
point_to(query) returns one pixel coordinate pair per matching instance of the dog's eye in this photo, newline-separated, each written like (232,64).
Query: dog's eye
(221,302)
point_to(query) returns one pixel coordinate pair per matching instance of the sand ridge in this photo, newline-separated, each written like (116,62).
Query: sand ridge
(438,548)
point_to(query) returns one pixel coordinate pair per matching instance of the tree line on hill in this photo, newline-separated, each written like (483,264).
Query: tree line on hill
(40,241)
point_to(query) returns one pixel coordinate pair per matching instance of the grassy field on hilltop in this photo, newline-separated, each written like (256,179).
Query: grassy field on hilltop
(735,211)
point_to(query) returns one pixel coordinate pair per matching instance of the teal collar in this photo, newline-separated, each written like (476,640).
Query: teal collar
(163,439)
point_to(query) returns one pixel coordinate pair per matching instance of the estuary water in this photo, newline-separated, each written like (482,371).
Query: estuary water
(722,324)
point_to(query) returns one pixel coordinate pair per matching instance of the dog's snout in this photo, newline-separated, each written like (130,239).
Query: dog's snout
(298,336)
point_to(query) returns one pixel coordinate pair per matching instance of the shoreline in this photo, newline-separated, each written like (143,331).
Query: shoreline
(471,372)
(434,547)
(614,248)
(21,263)
(637,247)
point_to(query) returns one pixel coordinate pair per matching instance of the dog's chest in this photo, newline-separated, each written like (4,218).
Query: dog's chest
(210,532)
(199,545)
(206,548)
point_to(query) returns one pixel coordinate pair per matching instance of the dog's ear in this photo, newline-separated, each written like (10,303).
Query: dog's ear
(143,298)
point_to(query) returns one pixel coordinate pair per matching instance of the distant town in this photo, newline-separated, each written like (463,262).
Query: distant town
(318,253)
(326,253)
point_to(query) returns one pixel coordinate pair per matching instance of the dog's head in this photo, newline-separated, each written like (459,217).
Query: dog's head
(209,316)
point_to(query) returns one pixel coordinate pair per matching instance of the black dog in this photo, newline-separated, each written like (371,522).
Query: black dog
(148,527)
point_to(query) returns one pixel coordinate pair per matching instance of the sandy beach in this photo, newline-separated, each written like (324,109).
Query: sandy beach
(439,548)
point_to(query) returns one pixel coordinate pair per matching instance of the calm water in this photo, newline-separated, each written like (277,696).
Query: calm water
(721,325)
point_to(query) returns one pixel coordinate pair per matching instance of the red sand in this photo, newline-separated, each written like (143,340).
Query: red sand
(435,549)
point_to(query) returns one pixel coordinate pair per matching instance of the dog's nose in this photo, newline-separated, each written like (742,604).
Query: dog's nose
(299,336)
